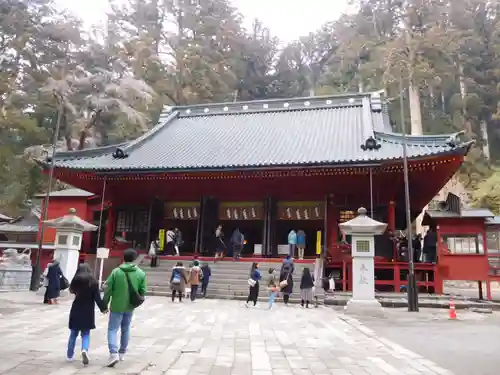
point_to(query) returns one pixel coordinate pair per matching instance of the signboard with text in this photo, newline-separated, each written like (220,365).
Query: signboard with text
(301,211)
(241,211)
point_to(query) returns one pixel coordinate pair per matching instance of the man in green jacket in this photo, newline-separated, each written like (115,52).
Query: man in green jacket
(117,297)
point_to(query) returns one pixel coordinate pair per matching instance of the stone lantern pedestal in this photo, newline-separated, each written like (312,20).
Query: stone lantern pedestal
(363,229)
(69,233)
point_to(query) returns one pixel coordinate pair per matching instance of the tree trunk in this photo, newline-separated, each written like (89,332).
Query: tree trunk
(432,99)
(360,80)
(484,134)
(415,110)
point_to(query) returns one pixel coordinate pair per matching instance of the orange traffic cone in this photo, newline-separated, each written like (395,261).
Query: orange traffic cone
(452,313)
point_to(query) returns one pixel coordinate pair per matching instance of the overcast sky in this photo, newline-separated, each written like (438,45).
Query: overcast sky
(287,19)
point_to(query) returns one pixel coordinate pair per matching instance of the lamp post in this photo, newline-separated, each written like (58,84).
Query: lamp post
(37,269)
(412,283)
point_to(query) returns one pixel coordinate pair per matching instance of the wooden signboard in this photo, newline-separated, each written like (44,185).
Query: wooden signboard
(301,211)
(182,210)
(241,211)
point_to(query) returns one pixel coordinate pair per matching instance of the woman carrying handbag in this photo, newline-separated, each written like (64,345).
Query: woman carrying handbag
(253,283)
(286,278)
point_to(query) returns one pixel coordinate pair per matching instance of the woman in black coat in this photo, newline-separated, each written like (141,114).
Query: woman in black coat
(286,274)
(54,275)
(82,315)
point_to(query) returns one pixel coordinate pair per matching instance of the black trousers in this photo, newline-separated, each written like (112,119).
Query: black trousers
(286,298)
(204,289)
(253,293)
(194,291)
(154,261)
(174,292)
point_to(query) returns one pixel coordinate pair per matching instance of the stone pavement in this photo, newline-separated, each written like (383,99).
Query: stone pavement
(206,337)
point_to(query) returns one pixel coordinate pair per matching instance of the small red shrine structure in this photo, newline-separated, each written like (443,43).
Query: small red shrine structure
(265,167)
(467,244)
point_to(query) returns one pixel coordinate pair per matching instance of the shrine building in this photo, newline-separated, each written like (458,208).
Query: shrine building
(265,167)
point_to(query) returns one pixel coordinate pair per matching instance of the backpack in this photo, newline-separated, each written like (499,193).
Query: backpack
(238,238)
(135,298)
(176,278)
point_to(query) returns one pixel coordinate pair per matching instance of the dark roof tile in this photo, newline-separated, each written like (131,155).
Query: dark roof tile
(295,132)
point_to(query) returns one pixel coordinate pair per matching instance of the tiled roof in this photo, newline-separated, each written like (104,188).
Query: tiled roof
(72,192)
(296,132)
(5,218)
(493,220)
(465,213)
(28,224)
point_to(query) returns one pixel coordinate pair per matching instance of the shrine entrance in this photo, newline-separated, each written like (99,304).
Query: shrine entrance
(185,217)
(306,216)
(248,217)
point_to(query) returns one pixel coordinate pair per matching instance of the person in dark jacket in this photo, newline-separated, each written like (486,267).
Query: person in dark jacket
(237,241)
(178,241)
(206,272)
(220,245)
(430,245)
(286,278)
(54,276)
(178,281)
(253,282)
(416,244)
(306,287)
(82,314)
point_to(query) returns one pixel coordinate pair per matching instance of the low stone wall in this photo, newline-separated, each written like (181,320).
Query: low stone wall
(466,284)
(14,278)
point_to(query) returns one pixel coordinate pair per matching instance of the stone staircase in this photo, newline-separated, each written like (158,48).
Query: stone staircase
(228,280)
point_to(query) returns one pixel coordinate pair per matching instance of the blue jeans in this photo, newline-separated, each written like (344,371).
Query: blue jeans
(272,298)
(119,321)
(72,341)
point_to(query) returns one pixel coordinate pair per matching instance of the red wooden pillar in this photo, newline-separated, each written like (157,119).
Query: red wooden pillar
(391,225)
(332,220)
(110,228)
(397,278)
(485,247)
(438,281)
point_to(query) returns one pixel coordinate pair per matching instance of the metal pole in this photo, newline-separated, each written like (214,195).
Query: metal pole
(100,223)
(101,270)
(37,269)
(412,284)
(371,193)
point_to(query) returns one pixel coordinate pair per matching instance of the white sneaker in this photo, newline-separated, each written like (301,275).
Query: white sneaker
(122,357)
(69,359)
(85,358)
(113,360)
(246,305)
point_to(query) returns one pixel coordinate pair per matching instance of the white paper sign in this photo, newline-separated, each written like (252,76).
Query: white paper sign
(102,253)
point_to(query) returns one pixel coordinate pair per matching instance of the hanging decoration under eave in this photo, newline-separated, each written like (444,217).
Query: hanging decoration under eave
(301,211)
(182,210)
(241,211)
(415,166)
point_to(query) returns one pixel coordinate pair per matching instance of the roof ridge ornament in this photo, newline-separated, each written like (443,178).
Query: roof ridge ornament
(370,144)
(120,154)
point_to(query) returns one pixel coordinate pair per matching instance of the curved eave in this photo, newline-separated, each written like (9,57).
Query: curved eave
(461,150)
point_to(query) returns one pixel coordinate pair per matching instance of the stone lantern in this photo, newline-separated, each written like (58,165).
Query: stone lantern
(69,234)
(363,230)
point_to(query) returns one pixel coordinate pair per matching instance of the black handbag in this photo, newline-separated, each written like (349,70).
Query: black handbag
(64,283)
(136,299)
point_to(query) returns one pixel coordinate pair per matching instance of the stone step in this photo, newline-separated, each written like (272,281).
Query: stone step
(215,270)
(216,277)
(294,299)
(228,279)
(221,288)
(223,268)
